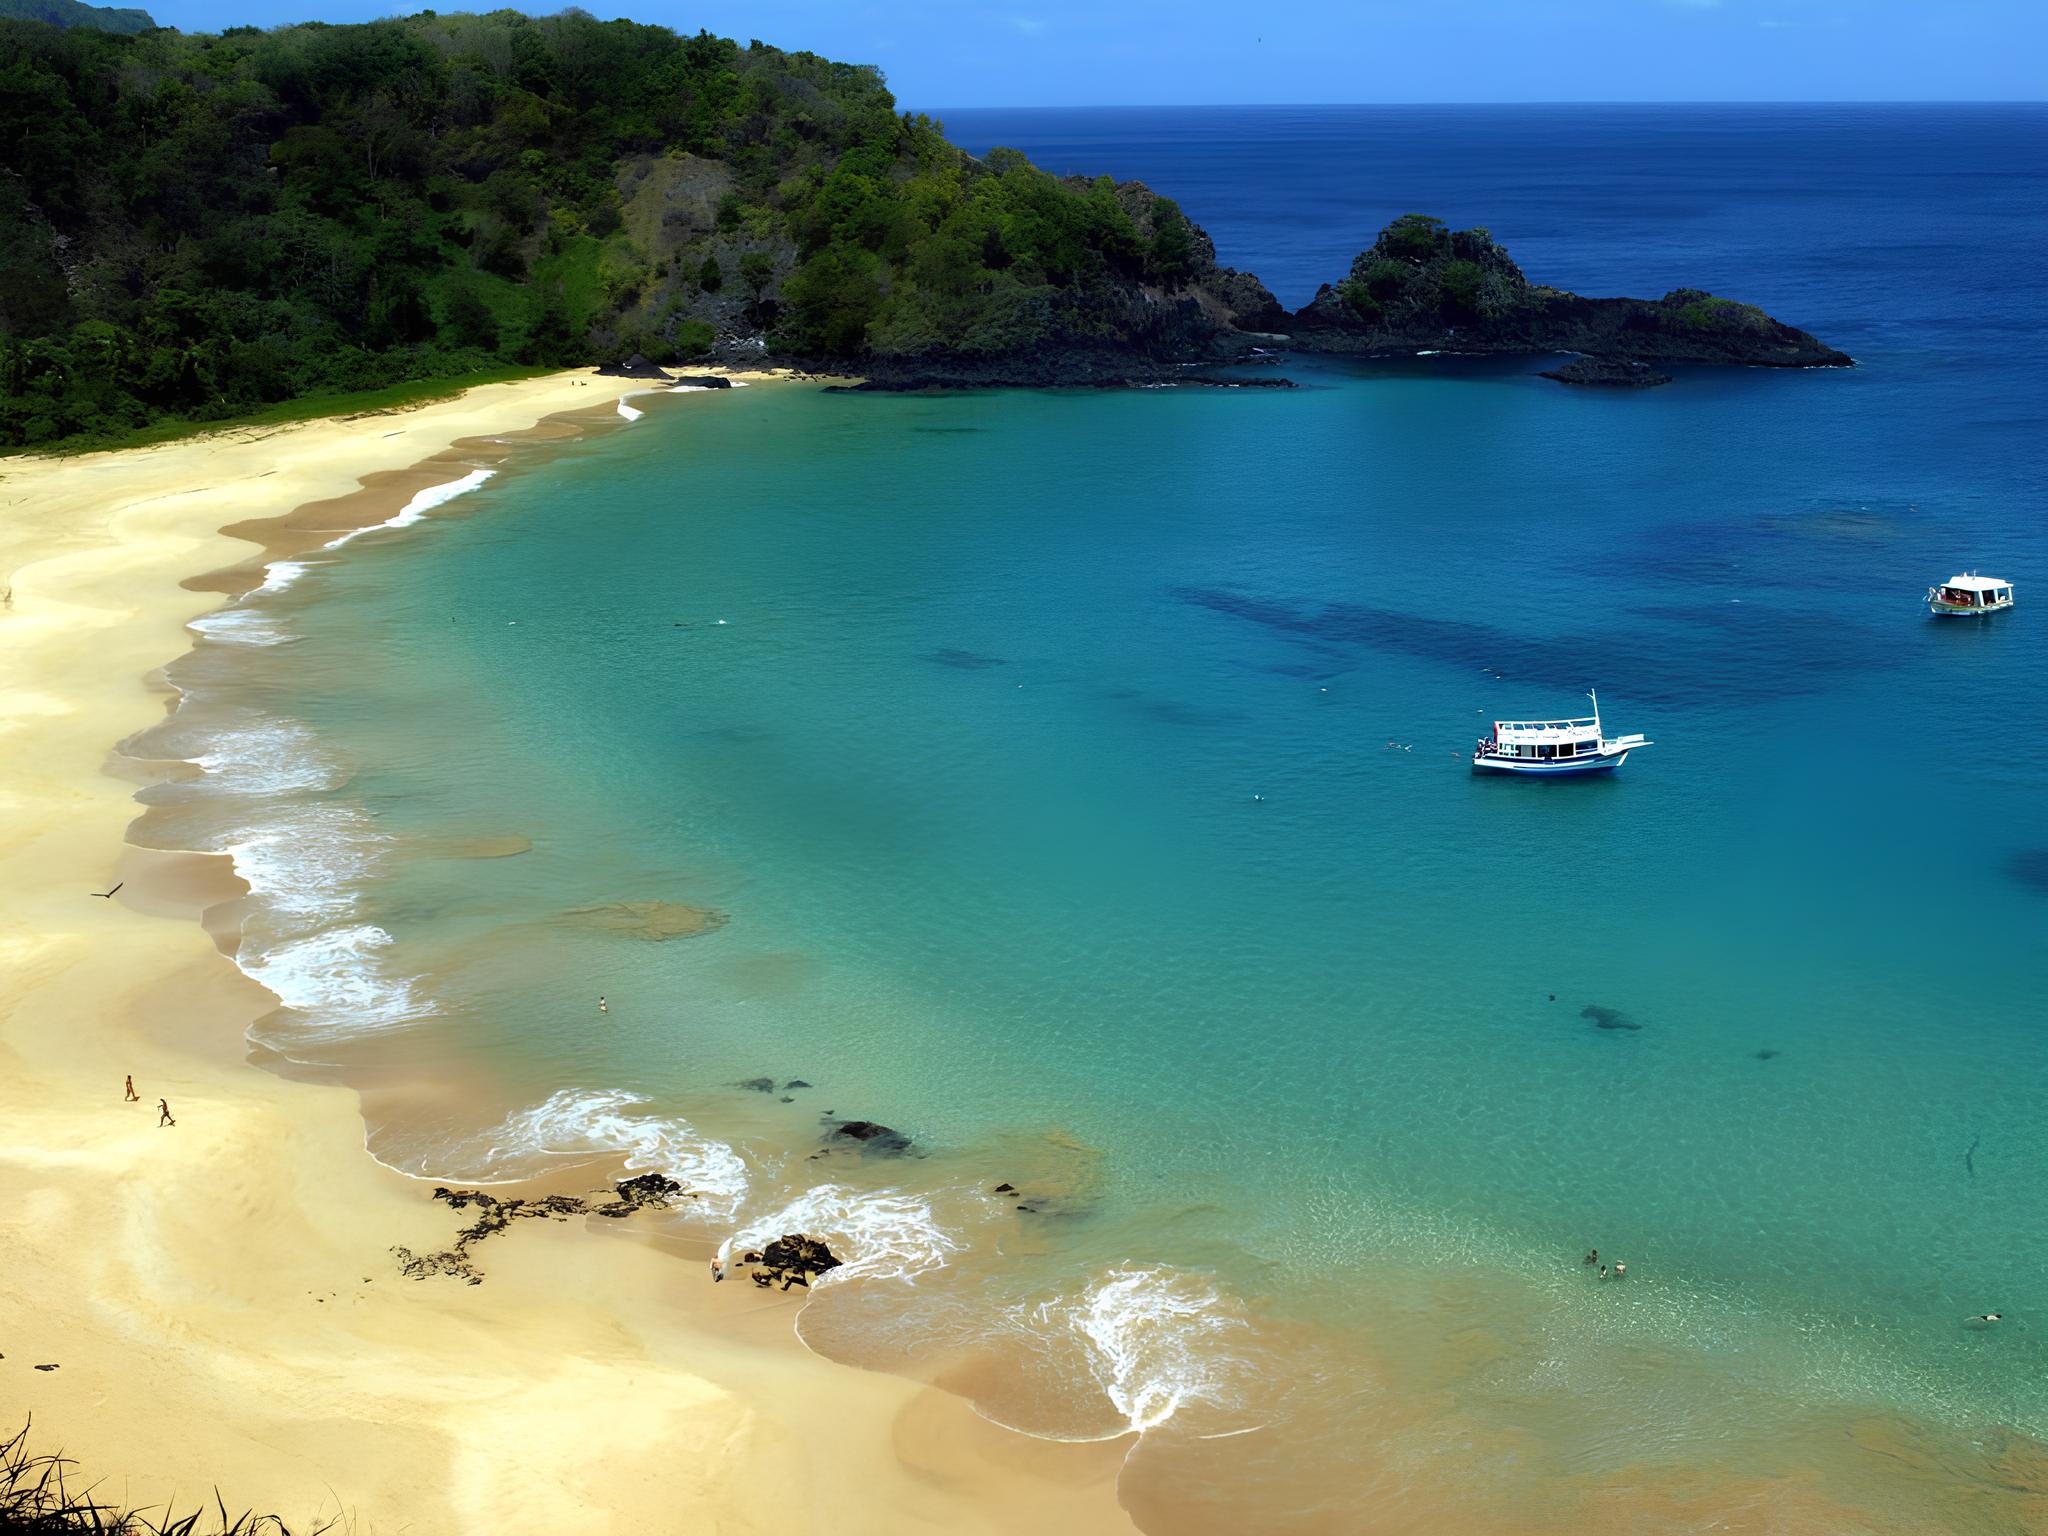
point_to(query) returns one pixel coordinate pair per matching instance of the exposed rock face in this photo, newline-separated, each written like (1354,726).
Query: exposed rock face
(1422,287)
(1608,372)
(793,1259)
(1111,327)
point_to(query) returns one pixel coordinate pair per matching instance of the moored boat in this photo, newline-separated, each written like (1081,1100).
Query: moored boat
(1554,748)
(1968,596)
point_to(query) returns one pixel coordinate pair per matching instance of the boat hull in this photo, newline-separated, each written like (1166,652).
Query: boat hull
(1538,768)
(1948,611)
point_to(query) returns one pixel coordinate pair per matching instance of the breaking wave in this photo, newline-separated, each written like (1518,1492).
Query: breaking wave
(1155,1338)
(421,504)
(585,1122)
(890,1235)
(337,983)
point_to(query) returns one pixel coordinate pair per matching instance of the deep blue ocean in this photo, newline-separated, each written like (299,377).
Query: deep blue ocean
(1082,780)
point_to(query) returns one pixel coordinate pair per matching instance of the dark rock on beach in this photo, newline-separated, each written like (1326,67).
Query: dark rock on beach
(794,1259)
(703,380)
(646,1191)
(634,367)
(1607,1018)
(1611,372)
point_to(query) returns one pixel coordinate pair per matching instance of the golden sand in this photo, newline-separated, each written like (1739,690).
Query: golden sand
(219,1297)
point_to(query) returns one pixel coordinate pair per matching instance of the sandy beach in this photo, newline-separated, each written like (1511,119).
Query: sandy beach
(218,1297)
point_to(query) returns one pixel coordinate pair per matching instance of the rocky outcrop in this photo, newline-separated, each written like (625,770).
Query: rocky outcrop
(646,1191)
(793,1259)
(1608,372)
(1423,287)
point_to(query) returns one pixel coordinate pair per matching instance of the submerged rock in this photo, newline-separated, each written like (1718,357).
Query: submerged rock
(654,921)
(2030,868)
(1607,1018)
(757,1084)
(871,1136)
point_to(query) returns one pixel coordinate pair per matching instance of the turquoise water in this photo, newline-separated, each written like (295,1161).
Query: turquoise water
(1096,764)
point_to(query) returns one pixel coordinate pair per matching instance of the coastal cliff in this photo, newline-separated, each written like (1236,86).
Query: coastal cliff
(1423,287)
(196,228)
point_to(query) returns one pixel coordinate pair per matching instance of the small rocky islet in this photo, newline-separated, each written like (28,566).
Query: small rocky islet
(1419,288)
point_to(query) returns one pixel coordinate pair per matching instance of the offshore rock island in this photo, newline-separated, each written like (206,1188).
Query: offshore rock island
(196,228)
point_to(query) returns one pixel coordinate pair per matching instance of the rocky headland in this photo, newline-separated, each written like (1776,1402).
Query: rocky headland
(1423,287)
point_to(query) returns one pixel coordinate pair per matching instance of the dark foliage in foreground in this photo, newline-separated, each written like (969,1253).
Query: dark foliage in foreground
(39,1498)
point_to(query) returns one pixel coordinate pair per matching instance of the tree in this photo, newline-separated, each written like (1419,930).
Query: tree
(711,276)
(467,321)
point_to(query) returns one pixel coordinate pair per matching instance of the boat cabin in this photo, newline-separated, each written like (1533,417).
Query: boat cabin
(1970,593)
(1545,740)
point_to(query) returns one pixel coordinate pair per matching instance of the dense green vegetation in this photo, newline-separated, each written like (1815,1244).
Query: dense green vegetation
(75,13)
(194,226)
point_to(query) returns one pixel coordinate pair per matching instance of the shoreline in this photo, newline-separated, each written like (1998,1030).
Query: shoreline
(218,1297)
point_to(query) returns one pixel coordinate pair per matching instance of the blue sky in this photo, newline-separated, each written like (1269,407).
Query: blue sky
(953,53)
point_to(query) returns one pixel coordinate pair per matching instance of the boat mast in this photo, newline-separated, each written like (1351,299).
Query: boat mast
(1594,695)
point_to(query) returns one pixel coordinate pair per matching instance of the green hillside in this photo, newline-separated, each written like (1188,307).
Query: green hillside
(198,225)
(71,13)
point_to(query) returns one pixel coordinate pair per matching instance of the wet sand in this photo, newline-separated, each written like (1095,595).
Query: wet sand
(219,1297)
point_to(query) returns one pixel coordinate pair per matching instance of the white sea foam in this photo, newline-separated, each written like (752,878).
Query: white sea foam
(240,625)
(280,574)
(690,389)
(305,859)
(1156,1338)
(629,412)
(336,981)
(585,1121)
(421,504)
(888,1234)
(255,756)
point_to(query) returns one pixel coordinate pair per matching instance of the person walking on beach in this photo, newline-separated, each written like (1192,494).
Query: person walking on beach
(129,1095)
(163,1114)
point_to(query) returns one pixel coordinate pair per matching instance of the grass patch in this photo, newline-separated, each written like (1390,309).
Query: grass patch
(361,402)
(37,1498)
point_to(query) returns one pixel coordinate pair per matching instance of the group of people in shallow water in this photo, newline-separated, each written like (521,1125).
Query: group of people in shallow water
(1620,1271)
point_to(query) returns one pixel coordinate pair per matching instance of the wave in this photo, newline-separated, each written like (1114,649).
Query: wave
(581,1122)
(890,1234)
(279,574)
(420,505)
(1156,1339)
(334,981)
(240,625)
(631,413)
(306,857)
(267,757)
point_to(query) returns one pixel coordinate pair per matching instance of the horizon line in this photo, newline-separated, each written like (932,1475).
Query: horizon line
(1296,106)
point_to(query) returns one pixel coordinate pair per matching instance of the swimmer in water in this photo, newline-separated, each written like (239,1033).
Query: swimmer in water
(1986,1317)
(1620,1269)
(1593,1257)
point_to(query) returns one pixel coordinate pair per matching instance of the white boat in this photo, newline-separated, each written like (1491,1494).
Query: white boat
(1553,748)
(1968,596)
